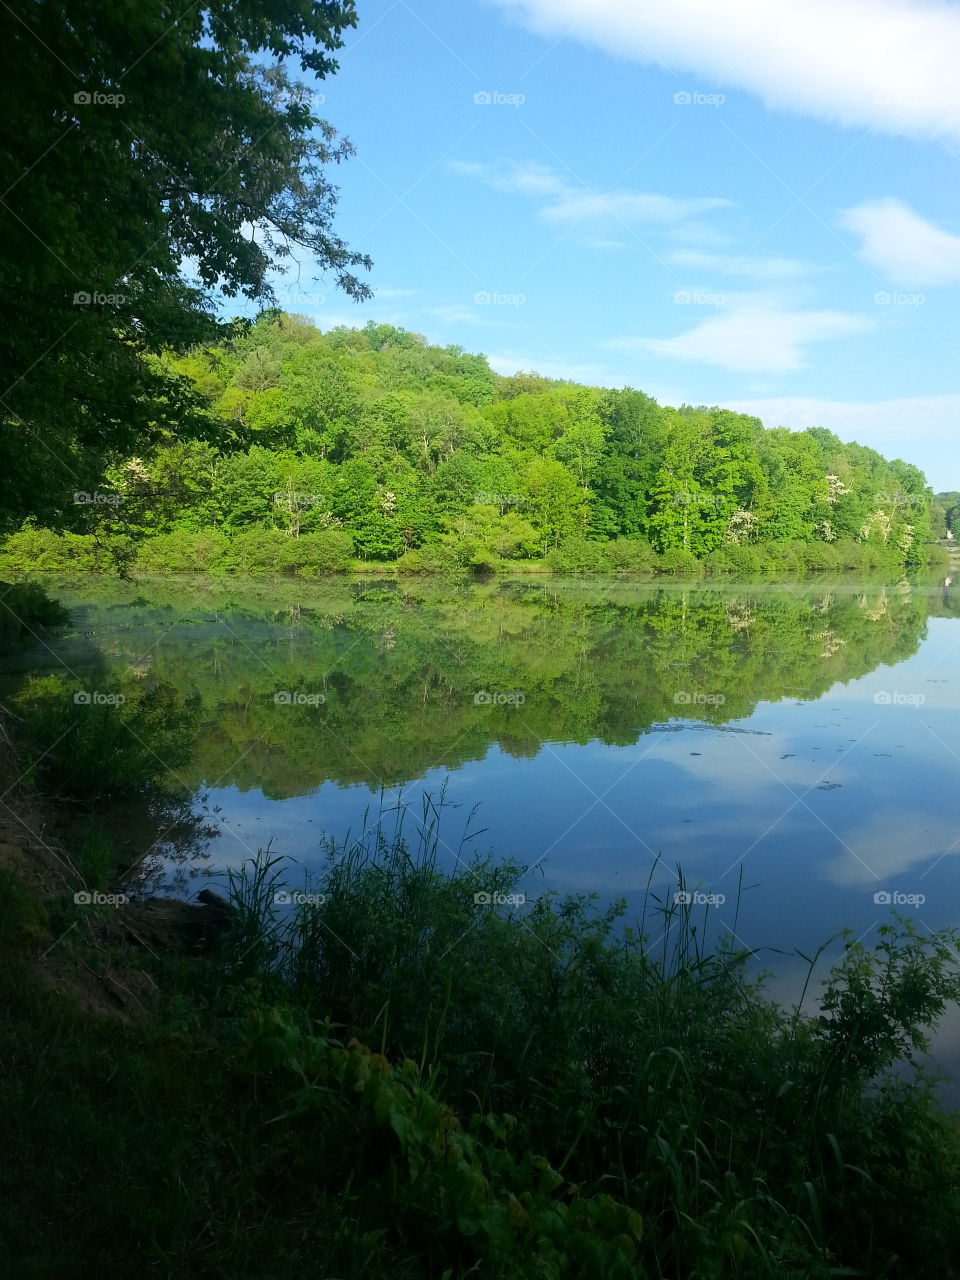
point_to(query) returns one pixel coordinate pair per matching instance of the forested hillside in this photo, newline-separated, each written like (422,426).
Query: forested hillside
(372,444)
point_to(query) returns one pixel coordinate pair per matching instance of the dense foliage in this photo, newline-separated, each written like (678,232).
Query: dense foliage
(139,142)
(372,442)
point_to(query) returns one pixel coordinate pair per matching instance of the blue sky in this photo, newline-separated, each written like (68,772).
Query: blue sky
(751,204)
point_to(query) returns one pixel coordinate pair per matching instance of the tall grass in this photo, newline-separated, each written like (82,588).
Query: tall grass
(402,1081)
(640,1062)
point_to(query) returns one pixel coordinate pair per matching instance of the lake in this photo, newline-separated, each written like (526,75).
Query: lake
(794,748)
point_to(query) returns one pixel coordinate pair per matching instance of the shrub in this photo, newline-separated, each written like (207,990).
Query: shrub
(260,551)
(431,558)
(742,560)
(627,555)
(820,556)
(679,561)
(326,551)
(183,551)
(578,555)
(43,551)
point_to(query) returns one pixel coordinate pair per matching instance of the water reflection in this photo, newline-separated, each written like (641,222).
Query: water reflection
(806,734)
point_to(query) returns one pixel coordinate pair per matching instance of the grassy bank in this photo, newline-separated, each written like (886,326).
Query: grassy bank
(399,1077)
(271,552)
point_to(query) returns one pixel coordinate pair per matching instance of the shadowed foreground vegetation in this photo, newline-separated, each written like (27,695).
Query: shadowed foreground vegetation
(398,1078)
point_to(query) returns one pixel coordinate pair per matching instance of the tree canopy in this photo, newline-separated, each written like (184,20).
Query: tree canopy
(152,155)
(411,451)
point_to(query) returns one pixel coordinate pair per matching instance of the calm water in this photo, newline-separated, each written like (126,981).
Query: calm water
(806,738)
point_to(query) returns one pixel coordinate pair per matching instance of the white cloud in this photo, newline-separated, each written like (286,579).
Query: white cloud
(891,844)
(459,314)
(563,201)
(604,243)
(509,363)
(901,244)
(752,337)
(868,422)
(730,264)
(623,206)
(890,65)
(395,293)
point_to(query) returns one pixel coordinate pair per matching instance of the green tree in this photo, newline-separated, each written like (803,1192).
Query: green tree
(134,138)
(555,504)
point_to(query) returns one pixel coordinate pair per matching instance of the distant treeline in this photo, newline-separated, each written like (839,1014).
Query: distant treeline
(371,444)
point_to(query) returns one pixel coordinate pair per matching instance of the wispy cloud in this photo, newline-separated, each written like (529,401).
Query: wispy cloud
(868,421)
(509,362)
(752,336)
(604,243)
(889,65)
(561,201)
(904,246)
(730,264)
